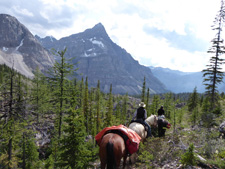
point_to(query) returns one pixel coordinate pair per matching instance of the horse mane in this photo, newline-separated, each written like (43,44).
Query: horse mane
(151,119)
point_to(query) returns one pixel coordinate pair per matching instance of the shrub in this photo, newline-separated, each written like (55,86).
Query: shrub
(188,158)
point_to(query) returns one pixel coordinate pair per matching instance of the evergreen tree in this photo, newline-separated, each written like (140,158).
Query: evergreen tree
(85,105)
(1,74)
(39,94)
(193,100)
(81,94)
(98,107)
(143,91)
(213,75)
(30,153)
(147,102)
(155,104)
(168,105)
(92,114)
(58,76)
(124,109)
(74,149)
(110,108)
(13,113)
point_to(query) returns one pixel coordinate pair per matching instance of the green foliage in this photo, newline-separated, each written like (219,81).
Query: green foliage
(168,106)
(143,91)
(49,162)
(31,154)
(98,98)
(124,110)
(39,95)
(193,100)
(86,105)
(145,157)
(109,113)
(74,152)
(155,104)
(206,105)
(188,158)
(221,154)
(58,78)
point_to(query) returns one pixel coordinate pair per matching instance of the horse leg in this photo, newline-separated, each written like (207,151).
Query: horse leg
(103,156)
(103,164)
(124,161)
(163,132)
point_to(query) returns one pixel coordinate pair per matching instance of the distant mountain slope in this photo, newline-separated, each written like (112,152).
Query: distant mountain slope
(99,58)
(177,81)
(20,49)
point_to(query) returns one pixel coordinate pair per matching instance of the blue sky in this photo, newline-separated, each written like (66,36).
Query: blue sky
(174,34)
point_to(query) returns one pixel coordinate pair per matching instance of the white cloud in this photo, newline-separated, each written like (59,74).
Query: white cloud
(24,12)
(124,21)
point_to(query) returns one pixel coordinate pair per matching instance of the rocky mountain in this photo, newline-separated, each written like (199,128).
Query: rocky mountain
(20,49)
(99,58)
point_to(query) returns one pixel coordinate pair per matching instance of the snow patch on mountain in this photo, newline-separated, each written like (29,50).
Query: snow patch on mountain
(89,55)
(21,44)
(99,43)
(5,49)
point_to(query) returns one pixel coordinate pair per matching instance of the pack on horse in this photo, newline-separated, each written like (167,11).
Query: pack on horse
(111,150)
(115,143)
(141,131)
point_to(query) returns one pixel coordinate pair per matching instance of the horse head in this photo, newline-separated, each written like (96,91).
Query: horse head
(152,120)
(164,123)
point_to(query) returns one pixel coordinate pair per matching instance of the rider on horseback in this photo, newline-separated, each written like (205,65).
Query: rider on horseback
(161,113)
(140,115)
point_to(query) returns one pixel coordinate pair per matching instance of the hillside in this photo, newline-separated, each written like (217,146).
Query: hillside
(179,82)
(20,49)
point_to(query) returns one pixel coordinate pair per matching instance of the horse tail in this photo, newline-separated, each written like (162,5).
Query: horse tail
(110,156)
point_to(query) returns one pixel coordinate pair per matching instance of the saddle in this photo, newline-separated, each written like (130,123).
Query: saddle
(140,122)
(131,138)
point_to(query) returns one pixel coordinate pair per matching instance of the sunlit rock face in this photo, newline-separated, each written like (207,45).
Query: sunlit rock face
(20,49)
(99,58)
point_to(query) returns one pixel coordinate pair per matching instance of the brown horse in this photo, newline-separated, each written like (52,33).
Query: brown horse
(111,150)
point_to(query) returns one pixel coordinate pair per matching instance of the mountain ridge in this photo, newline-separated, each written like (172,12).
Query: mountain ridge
(101,59)
(177,81)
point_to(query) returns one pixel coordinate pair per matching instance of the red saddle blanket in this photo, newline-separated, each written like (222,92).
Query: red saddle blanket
(132,143)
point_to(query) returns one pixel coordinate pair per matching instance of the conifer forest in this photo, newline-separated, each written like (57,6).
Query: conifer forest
(50,121)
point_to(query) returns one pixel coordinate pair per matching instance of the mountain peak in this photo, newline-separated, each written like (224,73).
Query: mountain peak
(98,26)
(97,30)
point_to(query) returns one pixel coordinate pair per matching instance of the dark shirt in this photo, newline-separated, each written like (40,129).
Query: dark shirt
(140,113)
(161,112)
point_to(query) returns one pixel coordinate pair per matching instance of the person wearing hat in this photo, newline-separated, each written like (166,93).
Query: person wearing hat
(161,112)
(140,115)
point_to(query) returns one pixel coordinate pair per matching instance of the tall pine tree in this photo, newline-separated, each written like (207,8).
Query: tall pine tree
(213,75)
(143,91)
(58,76)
